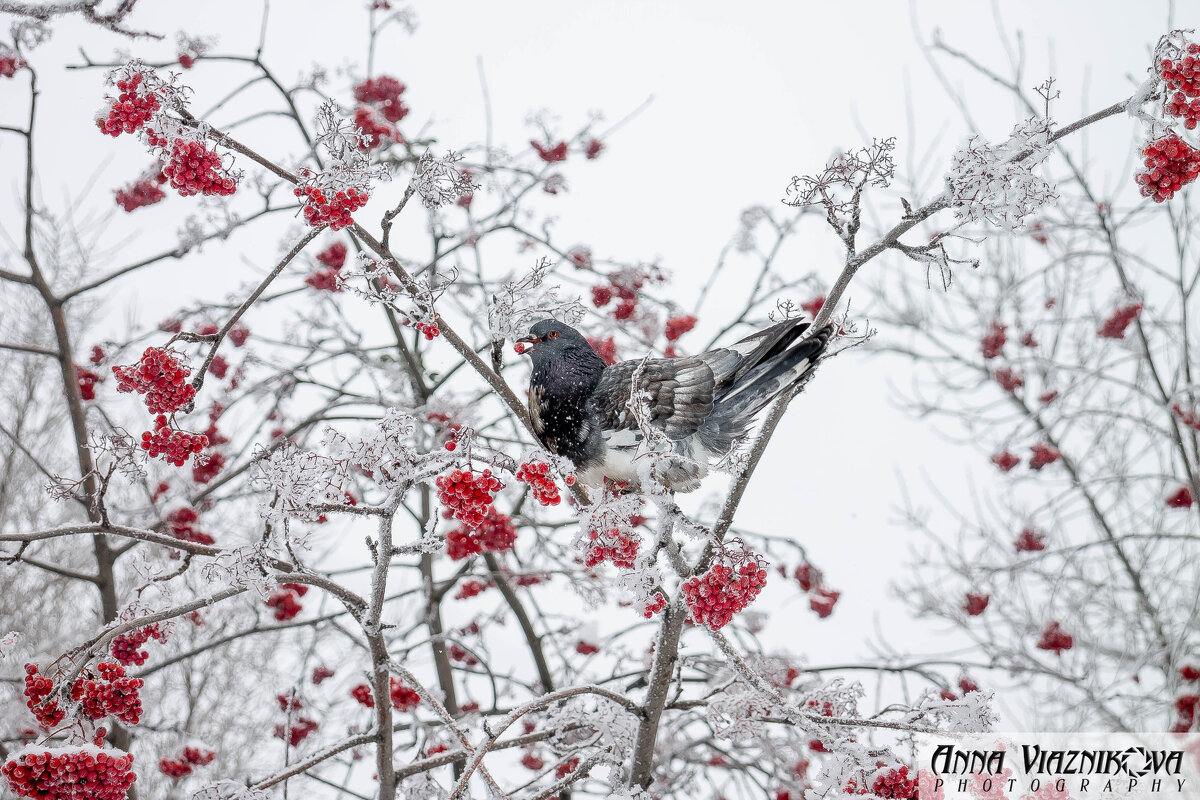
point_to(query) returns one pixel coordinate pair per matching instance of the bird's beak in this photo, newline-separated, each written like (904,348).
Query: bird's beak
(529,342)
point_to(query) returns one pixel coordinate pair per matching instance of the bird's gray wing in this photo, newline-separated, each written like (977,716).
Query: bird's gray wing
(680,395)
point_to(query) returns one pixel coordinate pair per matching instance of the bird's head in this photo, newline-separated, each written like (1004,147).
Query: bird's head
(551,339)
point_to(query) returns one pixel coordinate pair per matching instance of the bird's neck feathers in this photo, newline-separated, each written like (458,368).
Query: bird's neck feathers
(569,376)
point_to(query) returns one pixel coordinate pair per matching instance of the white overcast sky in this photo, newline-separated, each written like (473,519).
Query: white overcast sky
(745,95)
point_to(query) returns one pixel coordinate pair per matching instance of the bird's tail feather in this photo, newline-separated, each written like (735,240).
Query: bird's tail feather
(778,364)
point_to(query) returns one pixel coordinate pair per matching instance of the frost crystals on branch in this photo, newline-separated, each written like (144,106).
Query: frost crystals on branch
(439,182)
(851,173)
(997,183)
(522,301)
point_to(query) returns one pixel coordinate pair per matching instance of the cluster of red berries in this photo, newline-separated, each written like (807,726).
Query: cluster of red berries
(181,523)
(993,343)
(403,697)
(141,193)
(566,768)
(9,65)
(125,647)
(132,109)
(189,758)
(550,153)
(1043,455)
(678,326)
(611,544)
(321,673)
(1187,705)
(470,588)
(109,692)
(78,773)
(495,534)
(605,348)
(335,210)
(172,445)
(37,689)
(334,258)
(895,784)
(1177,105)
(194,169)
(657,603)
(383,93)
(814,306)
(1030,541)
(1170,164)
(976,603)
(530,761)
(467,496)
(238,334)
(297,732)
(1114,327)
(1189,418)
(204,471)
(593,148)
(286,600)
(430,331)
(541,485)
(724,590)
(581,257)
(1181,498)
(160,375)
(375,129)
(1055,638)
(460,654)
(1183,74)
(623,285)
(1005,461)
(586,648)
(821,599)
(1009,380)
(87,381)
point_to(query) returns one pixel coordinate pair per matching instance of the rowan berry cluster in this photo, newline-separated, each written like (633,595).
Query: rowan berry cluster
(1114,327)
(37,689)
(1009,380)
(496,533)
(183,764)
(470,588)
(624,285)
(362,693)
(125,647)
(286,600)
(531,762)
(181,523)
(429,330)
(593,148)
(611,544)
(403,697)
(1187,705)
(383,93)
(1030,541)
(726,588)
(586,648)
(326,279)
(321,673)
(976,603)
(9,66)
(192,168)
(1181,498)
(467,496)
(141,193)
(109,692)
(1170,164)
(814,306)
(297,732)
(375,130)
(160,375)
(1043,455)
(821,599)
(134,106)
(171,444)
(678,326)
(333,209)
(657,603)
(87,382)
(1178,105)
(1005,461)
(993,343)
(82,773)
(460,654)
(550,153)
(895,784)
(541,484)
(605,348)
(1054,638)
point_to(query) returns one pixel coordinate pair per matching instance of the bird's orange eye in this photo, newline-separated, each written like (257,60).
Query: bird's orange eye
(553,334)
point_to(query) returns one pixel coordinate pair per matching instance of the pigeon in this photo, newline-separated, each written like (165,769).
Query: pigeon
(703,404)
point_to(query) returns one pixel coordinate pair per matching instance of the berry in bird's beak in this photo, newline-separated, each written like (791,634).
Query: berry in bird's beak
(526,343)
